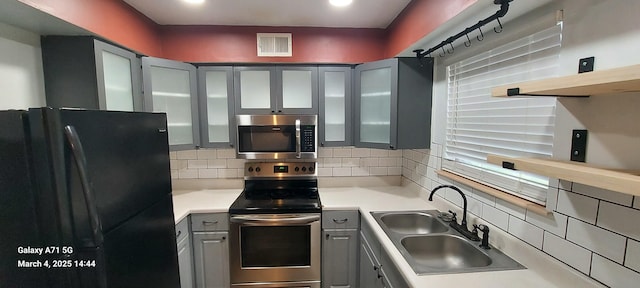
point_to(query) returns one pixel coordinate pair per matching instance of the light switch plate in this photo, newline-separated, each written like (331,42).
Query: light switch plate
(579,145)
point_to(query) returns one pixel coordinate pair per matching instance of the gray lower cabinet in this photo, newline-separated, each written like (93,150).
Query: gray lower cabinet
(185,253)
(376,268)
(340,249)
(211,250)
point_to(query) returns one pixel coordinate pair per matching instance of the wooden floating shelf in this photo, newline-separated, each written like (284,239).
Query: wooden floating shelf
(533,207)
(603,82)
(614,180)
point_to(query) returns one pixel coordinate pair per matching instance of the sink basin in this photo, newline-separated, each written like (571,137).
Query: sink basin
(413,223)
(444,252)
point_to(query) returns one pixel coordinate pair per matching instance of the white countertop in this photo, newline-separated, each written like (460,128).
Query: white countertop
(542,270)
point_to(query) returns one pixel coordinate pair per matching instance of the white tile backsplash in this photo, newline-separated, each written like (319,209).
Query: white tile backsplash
(342,152)
(601,241)
(361,152)
(555,223)
(567,252)
(636,202)
(632,258)
(578,206)
(495,216)
(197,164)
(512,209)
(620,219)
(612,274)
(187,155)
(526,232)
(607,195)
(207,173)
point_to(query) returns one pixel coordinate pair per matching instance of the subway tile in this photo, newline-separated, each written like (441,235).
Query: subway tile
(577,206)
(225,153)
(620,219)
(325,172)
(387,162)
(378,171)
(361,152)
(607,195)
(341,172)
(632,258)
(526,232)
(421,169)
(325,152)
(452,196)
(196,164)
(332,162)
(495,216)
(188,174)
(350,162)
(236,163)
(207,173)
(567,252)
(175,174)
(205,154)
(552,198)
(511,208)
(484,197)
(379,153)
(395,153)
(474,206)
(187,155)
(555,223)
(359,171)
(612,274)
(395,171)
(178,164)
(217,163)
(368,162)
(596,239)
(342,152)
(228,173)
(173,155)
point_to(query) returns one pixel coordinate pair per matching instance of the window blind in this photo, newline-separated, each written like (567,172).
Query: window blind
(478,124)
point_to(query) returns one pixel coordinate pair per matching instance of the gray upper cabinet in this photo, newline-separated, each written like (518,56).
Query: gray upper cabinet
(215,87)
(393,104)
(170,87)
(83,72)
(335,101)
(276,89)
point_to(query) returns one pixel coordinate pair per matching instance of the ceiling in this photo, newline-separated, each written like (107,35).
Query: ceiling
(307,13)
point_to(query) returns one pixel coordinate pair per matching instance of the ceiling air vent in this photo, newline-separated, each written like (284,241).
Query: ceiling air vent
(274,44)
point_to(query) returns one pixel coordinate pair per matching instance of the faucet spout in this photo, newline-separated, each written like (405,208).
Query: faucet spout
(462,228)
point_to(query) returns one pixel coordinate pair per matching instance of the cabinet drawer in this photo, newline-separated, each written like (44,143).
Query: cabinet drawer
(346,219)
(210,222)
(182,229)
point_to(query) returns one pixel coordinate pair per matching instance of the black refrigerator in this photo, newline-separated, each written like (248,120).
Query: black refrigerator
(85,200)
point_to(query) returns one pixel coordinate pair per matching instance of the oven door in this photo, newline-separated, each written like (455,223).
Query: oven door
(267,248)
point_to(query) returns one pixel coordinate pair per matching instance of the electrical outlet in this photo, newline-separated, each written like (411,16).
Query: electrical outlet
(586,64)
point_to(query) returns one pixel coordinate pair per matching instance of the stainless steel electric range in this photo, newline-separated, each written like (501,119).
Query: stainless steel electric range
(275,227)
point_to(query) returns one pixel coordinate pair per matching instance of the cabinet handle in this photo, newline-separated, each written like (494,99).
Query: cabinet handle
(179,232)
(273,111)
(340,221)
(224,238)
(279,111)
(326,236)
(207,223)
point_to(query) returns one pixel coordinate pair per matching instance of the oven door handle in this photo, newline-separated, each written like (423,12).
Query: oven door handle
(257,220)
(298,138)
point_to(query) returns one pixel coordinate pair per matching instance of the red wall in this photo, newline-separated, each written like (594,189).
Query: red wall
(116,21)
(111,19)
(419,19)
(238,44)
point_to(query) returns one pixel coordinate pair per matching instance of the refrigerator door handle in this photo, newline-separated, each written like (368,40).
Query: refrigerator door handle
(81,163)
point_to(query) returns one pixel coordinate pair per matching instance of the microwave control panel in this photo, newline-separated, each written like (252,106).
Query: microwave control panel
(308,138)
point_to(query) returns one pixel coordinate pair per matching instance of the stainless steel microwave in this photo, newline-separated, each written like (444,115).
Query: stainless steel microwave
(277,136)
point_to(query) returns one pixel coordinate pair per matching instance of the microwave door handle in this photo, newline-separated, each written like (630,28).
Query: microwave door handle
(81,164)
(253,220)
(297,138)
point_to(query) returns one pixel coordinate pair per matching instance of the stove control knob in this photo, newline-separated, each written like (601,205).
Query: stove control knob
(311,169)
(304,169)
(250,169)
(257,169)
(296,169)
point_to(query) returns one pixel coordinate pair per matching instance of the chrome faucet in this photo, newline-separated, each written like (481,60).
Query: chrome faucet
(462,227)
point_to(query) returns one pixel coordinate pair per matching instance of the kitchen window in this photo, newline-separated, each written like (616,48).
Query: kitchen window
(478,124)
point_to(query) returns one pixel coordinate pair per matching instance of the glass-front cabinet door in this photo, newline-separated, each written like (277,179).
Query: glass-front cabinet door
(376,95)
(216,106)
(276,89)
(335,106)
(298,90)
(118,78)
(170,87)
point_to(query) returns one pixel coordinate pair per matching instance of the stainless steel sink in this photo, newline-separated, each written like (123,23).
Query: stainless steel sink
(444,252)
(413,223)
(430,247)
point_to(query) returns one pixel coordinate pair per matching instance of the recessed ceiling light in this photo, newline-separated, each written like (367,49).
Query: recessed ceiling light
(340,3)
(194,1)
